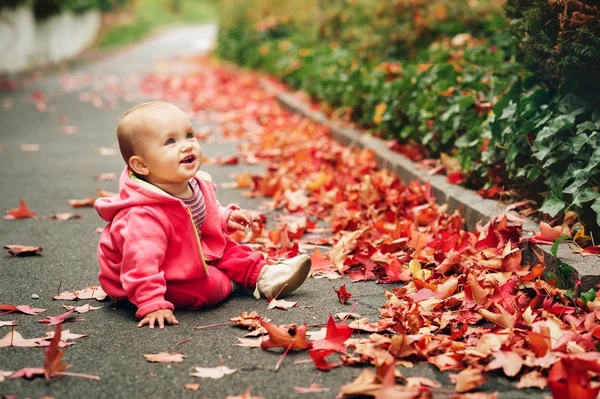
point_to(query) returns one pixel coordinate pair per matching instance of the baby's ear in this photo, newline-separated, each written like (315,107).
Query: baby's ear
(137,164)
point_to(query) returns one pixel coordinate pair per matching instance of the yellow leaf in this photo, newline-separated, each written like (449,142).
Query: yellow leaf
(415,269)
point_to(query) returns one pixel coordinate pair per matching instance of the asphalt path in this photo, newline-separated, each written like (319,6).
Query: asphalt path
(64,168)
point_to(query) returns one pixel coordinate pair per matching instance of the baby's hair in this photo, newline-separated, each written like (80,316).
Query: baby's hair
(128,129)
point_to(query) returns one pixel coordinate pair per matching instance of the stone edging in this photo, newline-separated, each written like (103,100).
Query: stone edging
(474,207)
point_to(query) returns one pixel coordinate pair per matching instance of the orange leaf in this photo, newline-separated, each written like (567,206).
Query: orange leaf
(22,212)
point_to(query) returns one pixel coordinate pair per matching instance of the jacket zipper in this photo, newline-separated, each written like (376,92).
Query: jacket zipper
(198,240)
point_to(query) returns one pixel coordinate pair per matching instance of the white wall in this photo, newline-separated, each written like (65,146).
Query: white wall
(26,43)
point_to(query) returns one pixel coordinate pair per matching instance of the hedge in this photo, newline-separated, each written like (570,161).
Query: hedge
(461,82)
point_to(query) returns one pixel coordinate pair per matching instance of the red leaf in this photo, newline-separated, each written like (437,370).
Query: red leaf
(343,294)
(280,338)
(22,212)
(58,319)
(53,364)
(569,377)
(318,357)
(335,337)
(21,308)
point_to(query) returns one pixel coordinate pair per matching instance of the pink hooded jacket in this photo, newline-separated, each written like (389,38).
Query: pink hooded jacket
(151,240)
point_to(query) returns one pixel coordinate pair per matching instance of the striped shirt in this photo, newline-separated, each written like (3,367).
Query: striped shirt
(196,204)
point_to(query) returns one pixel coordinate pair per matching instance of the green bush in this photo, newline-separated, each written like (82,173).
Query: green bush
(455,88)
(560,40)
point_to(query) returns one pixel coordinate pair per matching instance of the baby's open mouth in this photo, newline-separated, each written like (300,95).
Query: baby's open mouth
(188,159)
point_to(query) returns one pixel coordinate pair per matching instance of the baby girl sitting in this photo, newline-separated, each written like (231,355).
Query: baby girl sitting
(166,245)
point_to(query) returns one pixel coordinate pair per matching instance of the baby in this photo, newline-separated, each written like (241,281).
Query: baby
(166,245)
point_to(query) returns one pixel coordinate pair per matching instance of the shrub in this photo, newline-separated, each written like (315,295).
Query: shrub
(560,40)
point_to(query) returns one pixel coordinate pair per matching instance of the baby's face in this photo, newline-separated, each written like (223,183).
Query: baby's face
(169,147)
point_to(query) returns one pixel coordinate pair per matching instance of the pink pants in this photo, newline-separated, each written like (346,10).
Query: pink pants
(238,264)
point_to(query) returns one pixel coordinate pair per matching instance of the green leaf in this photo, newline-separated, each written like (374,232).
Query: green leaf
(596,208)
(571,104)
(557,125)
(586,195)
(588,296)
(564,275)
(579,141)
(557,242)
(596,116)
(553,204)
(509,111)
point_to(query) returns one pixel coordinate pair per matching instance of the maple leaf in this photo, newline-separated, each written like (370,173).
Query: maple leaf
(367,383)
(503,319)
(22,212)
(570,378)
(65,216)
(249,342)
(78,203)
(320,263)
(58,319)
(8,323)
(21,308)
(93,291)
(214,373)
(245,395)
(15,339)
(547,234)
(249,320)
(335,337)
(343,294)
(534,379)
(22,250)
(280,338)
(312,388)
(281,304)
(53,364)
(469,379)
(83,308)
(318,357)
(344,247)
(510,362)
(164,357)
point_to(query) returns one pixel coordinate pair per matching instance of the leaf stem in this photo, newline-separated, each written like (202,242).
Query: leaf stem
(283,356)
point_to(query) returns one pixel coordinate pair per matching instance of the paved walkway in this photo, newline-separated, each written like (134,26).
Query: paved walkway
(64,168)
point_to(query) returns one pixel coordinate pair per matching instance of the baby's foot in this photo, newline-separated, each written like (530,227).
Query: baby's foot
(282,278)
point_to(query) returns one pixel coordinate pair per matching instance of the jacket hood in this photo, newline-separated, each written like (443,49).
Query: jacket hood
(133,191)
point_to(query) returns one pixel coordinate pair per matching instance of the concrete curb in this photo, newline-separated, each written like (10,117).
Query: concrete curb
(474,207)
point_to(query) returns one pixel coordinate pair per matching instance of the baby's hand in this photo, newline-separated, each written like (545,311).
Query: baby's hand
(238,219)
(159,316)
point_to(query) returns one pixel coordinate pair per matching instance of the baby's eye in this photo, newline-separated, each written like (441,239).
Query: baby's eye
(170,141)
(190,135)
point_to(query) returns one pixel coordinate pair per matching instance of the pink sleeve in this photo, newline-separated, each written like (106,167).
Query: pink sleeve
(144,248)
(225,211)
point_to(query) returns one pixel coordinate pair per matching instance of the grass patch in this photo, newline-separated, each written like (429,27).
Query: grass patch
(147,15)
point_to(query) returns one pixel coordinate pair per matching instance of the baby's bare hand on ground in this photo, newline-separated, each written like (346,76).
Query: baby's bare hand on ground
(159,317)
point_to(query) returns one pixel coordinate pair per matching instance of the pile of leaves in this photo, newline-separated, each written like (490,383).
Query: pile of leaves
(442,86)
(467,302)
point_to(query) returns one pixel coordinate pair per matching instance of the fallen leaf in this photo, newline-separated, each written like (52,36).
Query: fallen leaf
(312,388)
(68,129)
(343,294)
(469,379)
(192,386)
(65,216)
(214,373)
(335,337)
(78,203)
(8,323)
(533,379)
(164,357)
(281,304)
(22,212)
(58,319)
(30,147)
(510,362)
(280,338)
(53,364)
(249,342)
(22,250)
(83,308)
(318,357)
(15,339)
(26,309)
